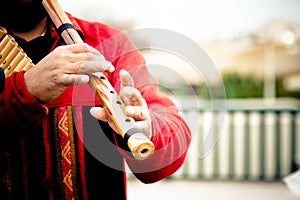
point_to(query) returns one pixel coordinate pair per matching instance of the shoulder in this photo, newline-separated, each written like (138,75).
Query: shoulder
(110,41)
(95,31)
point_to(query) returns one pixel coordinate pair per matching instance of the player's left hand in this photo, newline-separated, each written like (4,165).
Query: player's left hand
(135,106)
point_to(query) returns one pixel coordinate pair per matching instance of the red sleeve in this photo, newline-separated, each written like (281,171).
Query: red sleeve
(171,135)
(19,109)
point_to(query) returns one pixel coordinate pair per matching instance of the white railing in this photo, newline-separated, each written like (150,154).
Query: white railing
(256,141)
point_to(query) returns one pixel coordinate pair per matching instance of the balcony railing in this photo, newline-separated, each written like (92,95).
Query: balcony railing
(255,141)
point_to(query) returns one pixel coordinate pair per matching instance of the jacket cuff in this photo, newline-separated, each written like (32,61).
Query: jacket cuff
(25,96)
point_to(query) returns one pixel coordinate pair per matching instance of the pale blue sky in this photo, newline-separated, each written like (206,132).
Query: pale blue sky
(198,19)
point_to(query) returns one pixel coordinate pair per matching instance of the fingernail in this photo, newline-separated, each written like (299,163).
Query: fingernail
(111,68)
(123,72)
(128,89)
(93,110)
(108,66)
(84,78)
(129,110)
(98,74)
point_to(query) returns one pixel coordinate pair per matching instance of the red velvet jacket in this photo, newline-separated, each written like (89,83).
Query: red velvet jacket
(24,170)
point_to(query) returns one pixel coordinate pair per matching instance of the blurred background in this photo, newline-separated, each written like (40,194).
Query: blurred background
(255,47)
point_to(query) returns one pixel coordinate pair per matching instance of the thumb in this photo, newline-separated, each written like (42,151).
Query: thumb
(126,79)
(99,113)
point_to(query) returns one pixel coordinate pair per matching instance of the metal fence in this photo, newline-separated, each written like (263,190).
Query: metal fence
(257,141)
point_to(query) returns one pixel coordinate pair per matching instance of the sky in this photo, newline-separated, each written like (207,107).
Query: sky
(196,19)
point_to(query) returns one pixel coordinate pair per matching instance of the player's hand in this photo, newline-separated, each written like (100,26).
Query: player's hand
(135,106)
(65,66)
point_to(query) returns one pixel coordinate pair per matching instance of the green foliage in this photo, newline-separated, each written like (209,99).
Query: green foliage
(203,91)
(236,86)
(245,86)
(282,92)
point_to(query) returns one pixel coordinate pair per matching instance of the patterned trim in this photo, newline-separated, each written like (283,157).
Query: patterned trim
(73,152)
(66,157)
(54,153)
(78,120)
(57,156)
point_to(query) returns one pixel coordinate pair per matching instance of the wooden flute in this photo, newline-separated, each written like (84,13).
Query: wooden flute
(140,146)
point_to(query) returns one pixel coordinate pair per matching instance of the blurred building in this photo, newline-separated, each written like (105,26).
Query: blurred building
(272,51)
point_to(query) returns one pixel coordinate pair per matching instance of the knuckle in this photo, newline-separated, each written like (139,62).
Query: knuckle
(68,80)
(86,56)
(62,55)
(54,79)
(85,47)
(82,67)
(59,49)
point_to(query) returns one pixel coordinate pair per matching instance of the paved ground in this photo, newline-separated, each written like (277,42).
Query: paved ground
(197,190)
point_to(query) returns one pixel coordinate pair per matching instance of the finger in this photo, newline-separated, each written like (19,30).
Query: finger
(146,127)
(77,57)
(89,67)
(137,112)
(130,96)
(80,48)
(80,53)
(74,79)
(86,63)
(126,79)
(136,98)
(99,113)
(91,54)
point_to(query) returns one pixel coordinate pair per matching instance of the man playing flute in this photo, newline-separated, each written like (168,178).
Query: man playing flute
(49,147)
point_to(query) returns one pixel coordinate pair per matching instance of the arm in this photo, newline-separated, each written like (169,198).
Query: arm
(19,109)
(21,103)
(170,134)
(171,137)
